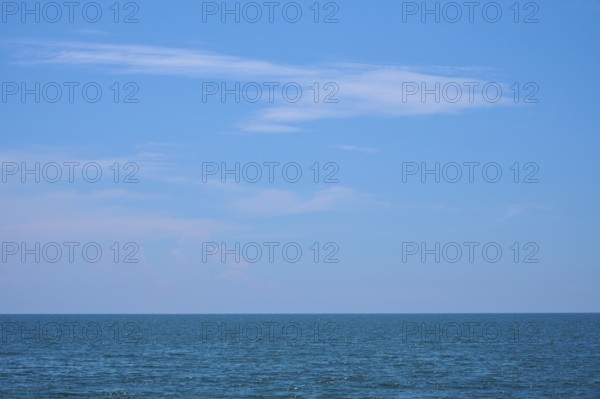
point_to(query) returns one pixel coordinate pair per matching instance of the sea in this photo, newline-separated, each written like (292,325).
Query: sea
(525,356)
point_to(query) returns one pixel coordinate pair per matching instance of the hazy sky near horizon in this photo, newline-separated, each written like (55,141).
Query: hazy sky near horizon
(299,157)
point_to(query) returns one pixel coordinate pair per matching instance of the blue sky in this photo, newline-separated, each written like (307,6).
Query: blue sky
(171,129)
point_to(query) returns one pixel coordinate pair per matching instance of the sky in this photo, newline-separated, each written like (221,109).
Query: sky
(299,157)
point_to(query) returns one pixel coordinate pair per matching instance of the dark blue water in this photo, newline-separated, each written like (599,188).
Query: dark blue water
(301,356)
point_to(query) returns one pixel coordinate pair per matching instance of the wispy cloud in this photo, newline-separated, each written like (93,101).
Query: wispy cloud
(360,90)
(42,218)
(284,202)
(94,32)
(354,148)
(515,210)
(150,162)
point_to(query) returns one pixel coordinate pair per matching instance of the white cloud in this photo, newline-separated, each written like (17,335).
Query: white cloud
(43,218)
(354,148)
(282,202)
(268,128)
(515,210)
(362,90)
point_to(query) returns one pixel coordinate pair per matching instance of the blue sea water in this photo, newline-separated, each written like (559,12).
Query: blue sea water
(525,356)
